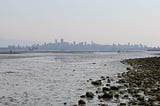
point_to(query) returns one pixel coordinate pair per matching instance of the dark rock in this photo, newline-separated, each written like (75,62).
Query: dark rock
(97,82)
(81,102)
(104,89)
(103,105)
(108,81)
(89,95)
(125,96)
(152,98)
(116,96)
(114,88)
(82,96)
(107,96)
(107,77)
(103,78)
(107,84)
(128,68)
(140,98)
(122,104)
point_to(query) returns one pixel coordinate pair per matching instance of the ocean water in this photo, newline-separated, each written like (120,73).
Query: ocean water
(51,79)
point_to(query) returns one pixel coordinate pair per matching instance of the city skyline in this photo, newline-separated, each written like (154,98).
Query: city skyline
(62,45)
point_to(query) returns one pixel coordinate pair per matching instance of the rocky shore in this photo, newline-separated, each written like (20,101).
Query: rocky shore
(138,86)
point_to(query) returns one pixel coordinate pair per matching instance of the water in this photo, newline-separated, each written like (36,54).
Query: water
(50,79)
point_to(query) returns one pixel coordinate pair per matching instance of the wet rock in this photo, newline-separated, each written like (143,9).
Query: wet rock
(81,102)
(116,96)
(152,98)
(122,104)
(98,90)
(107,77)
(103,78)
(89,95)
(140,98)
(107,96)
(82,96)
(107,84)
(122,91)
(119,75)
(105,89)
(128,68)
(108,81)
(97,82)
(121,81)
(103,105)
(158,96)
(114,87)
(125,97)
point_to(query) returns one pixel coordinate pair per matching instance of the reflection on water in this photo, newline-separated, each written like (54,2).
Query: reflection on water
(52,79)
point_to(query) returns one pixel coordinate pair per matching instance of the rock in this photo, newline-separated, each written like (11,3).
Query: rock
(128,68)
(122,104)
(105,89)
(119,75)
(89,95)
(107,77)
(125,96)
(103,105)
(82,96)
(107,96)
(121,81)
(108,81)
(65,103)
(158,96)
(114,88)
(93,63)
(107,84)
(98,90)
(81,102)
(152,98)
(103,78)
(140,98)
(97,82)
(116,96)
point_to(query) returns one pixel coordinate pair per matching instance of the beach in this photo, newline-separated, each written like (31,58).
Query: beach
(58,79)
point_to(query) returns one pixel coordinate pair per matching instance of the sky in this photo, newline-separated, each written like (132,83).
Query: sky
(101,21)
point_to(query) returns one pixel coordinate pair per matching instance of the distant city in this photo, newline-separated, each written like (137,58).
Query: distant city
(62,45)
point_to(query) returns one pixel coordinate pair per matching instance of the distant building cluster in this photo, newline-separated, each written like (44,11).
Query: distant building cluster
(62,45)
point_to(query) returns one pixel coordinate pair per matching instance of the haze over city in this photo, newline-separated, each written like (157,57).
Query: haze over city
(104,21)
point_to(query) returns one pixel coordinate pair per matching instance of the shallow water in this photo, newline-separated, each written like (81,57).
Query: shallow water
(50,79)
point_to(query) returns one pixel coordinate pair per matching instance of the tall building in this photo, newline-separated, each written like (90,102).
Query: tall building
(62,41)
(56,41)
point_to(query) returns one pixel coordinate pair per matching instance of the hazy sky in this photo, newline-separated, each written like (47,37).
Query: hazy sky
(102,21)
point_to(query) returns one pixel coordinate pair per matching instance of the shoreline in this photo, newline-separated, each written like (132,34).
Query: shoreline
(139,85)
(63,51)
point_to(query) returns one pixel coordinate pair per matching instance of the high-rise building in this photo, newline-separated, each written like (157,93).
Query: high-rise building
(62,41)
